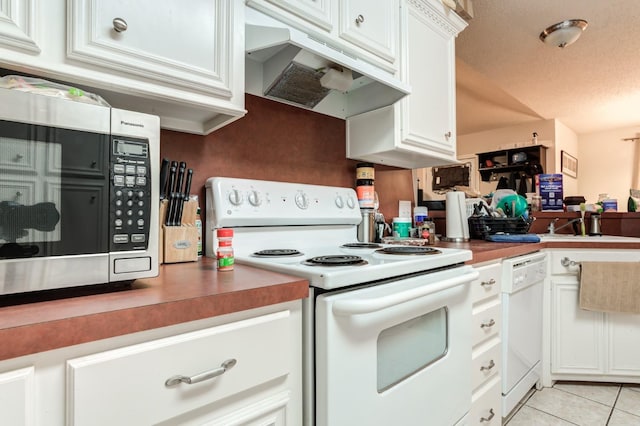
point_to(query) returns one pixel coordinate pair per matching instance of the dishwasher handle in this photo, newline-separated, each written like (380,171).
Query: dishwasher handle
(367,306)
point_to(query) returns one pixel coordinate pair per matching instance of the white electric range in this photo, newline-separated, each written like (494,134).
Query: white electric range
(386,327)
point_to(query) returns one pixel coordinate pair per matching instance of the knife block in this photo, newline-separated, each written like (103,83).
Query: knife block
(178,243)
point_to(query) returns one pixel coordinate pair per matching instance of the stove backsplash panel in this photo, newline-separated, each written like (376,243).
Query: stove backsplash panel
(275,141)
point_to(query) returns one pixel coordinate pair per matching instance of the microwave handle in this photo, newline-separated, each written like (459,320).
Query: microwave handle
(367,306)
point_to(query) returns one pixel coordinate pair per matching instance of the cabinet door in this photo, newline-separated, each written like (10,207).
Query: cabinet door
(316,12)
(577,340)
(624,347)
(372,26)
(17,394)
(161,40)
(18,26)
(429,111)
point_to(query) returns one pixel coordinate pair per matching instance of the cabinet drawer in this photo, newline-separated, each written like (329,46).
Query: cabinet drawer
(486,323)
(486,405)
(487,284)
(485,363)
(134,379)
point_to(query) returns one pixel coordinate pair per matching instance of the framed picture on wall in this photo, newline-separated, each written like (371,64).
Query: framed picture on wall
(568,164)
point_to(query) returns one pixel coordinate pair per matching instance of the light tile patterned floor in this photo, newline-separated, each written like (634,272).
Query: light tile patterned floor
(580,403)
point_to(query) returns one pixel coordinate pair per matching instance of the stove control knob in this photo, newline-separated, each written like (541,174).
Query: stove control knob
(351,203)
(254,198)
(339,202)
(302,201)
(235,197)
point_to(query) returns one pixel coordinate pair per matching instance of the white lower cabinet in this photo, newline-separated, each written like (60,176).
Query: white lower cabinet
(238,369)
(486,400)
(589,345)
(17,396)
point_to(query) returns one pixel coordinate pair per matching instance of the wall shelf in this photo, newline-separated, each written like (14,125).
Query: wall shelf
(530,160)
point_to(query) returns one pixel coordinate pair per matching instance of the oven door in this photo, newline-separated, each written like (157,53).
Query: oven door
(397,352)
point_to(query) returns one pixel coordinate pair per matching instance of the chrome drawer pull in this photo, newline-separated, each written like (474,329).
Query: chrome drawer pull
(488,324)
(491,365)
(488,419)
(201,377)
(486,283)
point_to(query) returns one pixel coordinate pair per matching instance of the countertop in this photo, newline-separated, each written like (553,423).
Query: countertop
(186,292)
(181,293)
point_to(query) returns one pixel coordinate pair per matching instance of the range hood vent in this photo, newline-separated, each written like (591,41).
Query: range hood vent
(290,66)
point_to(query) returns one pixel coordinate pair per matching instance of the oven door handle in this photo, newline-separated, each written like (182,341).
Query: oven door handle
(367,306)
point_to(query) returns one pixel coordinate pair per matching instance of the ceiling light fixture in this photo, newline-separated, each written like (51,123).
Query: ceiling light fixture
(563,33)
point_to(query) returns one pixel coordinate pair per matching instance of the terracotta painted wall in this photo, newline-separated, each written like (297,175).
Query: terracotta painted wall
(275,141)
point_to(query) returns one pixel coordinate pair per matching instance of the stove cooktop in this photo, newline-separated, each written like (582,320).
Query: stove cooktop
(331,267)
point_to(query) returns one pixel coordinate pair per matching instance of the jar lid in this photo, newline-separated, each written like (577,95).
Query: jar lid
(225,232)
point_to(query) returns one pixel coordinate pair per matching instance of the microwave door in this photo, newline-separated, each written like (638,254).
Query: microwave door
(54,191)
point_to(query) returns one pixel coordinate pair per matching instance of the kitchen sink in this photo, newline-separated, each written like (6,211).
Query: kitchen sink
(594,239)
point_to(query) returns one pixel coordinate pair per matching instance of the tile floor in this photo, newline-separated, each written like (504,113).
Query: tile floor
(580,403)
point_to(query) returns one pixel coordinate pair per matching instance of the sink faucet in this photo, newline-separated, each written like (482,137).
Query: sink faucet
(552,225)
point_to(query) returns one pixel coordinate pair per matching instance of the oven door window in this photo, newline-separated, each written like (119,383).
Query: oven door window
(408,347)
(53,191)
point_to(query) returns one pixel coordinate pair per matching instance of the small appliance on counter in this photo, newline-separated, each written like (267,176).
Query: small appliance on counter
(456,215)
(78,204)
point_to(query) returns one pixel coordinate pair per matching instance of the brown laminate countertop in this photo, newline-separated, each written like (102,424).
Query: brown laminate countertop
(181,293)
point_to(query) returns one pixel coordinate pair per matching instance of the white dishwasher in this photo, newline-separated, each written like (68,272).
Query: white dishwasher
(522,284)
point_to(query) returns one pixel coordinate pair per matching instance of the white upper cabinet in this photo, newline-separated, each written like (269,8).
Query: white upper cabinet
(18,25)
(156,40)
(316,12)
(184,63)
(419,130)
(367,30)
(372,26)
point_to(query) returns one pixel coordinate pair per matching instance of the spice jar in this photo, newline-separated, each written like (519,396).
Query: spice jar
(224,254)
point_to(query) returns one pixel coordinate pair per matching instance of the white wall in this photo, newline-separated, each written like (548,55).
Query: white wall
(566,140)
(493,140)
(608,164)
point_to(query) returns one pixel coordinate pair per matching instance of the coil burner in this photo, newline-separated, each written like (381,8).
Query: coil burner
(409,250)
(361,245)
(336,260)
(277,253)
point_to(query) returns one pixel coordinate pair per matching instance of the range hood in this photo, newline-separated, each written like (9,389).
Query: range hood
(287,65)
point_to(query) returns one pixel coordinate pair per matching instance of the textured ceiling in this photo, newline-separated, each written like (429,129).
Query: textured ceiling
(506,75)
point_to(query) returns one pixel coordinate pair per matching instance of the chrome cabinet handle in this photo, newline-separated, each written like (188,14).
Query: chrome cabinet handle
(447,135)
(491,365)
(360,19)
(488,419)
(491,323)
(201,377)
(17,158)
(119,25)
(488,283)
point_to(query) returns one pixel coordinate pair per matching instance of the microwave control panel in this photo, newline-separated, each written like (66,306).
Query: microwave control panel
(130,194)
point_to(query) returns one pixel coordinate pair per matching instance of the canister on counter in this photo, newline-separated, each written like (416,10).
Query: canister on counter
(401,226)
(365,171)
(366,193)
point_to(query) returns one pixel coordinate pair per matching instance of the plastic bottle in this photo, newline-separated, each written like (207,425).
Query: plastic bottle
(224,254)
(198,224)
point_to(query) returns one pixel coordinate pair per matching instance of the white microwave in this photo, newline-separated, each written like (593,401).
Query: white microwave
(78,193)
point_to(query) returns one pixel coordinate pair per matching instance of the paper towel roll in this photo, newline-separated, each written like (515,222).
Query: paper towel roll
(457,225)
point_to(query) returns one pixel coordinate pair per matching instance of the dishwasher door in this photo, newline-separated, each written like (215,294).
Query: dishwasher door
(522,289)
